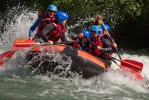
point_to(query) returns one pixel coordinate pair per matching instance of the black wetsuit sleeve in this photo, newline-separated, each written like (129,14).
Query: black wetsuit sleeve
(49,27)
(106,45)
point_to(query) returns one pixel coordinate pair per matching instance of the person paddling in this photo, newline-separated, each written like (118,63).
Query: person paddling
(100,44)
(98,21)
(41,20)
(55,31)
(82,40)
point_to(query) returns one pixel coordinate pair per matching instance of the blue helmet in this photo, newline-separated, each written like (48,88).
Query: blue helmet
(52,8)
(61,16)
(86,33)
(107,27)
(97,29)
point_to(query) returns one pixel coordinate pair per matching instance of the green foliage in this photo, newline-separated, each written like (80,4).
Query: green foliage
(130,8)
(121,9)
(145,13)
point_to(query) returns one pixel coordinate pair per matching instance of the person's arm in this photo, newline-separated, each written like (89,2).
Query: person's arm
(106,45)
(36,23)
(49,27)
(114,45)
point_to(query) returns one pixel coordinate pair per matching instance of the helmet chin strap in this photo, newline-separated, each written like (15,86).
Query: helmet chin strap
(98,34)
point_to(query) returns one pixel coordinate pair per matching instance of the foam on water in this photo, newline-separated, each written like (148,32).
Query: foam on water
(17,29)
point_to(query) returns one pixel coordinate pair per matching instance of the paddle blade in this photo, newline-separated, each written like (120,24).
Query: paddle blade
(134,65)
(23,43)
(4,57)
(134,75)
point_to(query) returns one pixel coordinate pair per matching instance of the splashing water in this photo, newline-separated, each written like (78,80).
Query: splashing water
(16,81)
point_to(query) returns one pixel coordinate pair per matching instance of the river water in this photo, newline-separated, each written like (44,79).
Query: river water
(17,83)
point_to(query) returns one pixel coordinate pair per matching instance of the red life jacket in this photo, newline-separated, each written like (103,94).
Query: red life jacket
(95,51)
(57,33)
(44,21)
(76,44)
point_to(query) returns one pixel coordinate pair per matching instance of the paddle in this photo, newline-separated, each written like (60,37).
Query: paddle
(24,43)
(110,38)
(21,44)
(131,64)
(128,66)
(4,57)
(134,65)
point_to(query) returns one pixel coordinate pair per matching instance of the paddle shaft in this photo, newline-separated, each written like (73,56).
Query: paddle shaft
(112,58)
(109,36)
(40,43)
(122,61)
(24,43)
(4,57)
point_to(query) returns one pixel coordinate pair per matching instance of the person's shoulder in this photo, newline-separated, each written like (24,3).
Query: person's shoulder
(51,24)
(54,24)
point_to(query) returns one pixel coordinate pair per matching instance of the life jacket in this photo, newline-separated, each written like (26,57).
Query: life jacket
(44,20)
(80,44)
(57,33)
(95,51)
(75,44)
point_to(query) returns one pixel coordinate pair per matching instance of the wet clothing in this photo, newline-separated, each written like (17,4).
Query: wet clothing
(83,45)
(53,32)
(90,47)
(111,39)
(103,42)
(43,22)
(38,22)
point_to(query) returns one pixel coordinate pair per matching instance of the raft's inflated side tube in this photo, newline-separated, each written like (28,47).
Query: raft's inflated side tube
(82,62)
